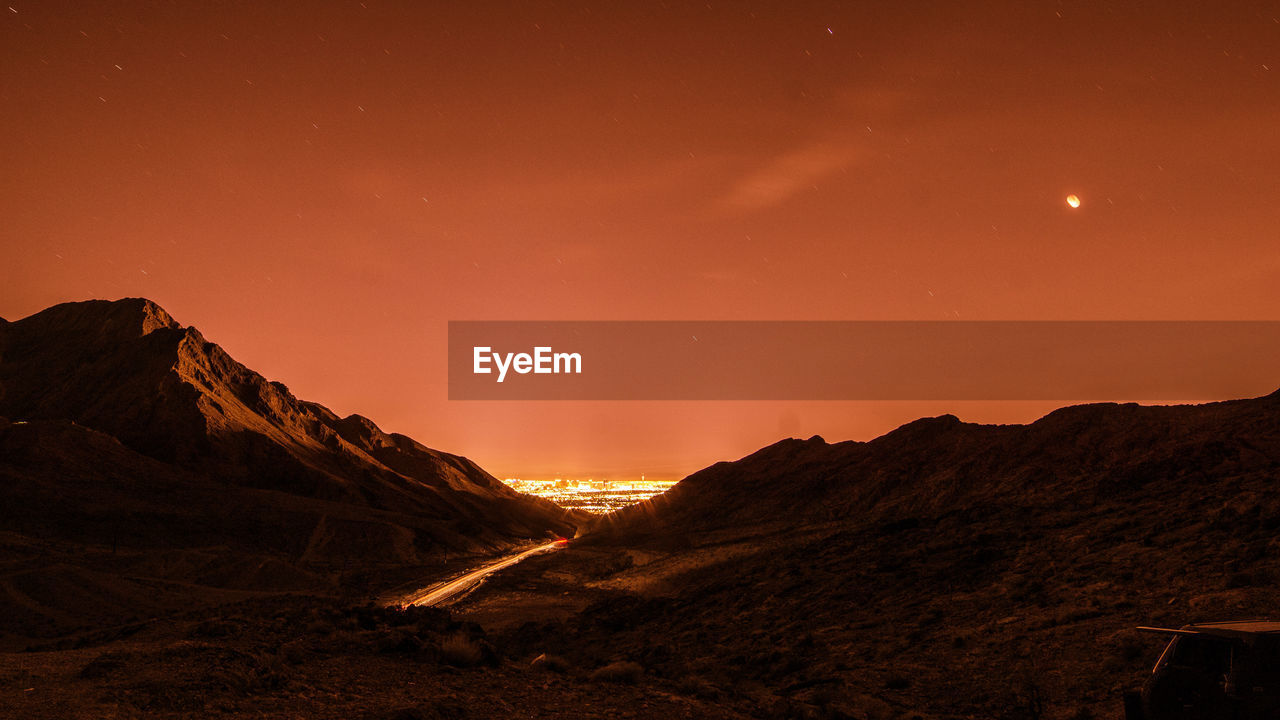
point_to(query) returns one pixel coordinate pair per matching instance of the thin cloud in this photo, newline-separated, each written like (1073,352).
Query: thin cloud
(786,175)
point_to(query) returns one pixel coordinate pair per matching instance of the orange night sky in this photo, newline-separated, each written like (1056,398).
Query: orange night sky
(321,186)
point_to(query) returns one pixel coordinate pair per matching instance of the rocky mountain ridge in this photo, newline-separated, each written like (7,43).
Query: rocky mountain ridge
(134,451)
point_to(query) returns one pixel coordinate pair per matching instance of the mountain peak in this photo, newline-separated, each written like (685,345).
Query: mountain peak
(924,428)
(124,318)
(149,314)
(362,432)
(127,369)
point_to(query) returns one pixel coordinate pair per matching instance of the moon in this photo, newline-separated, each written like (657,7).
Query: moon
(1073,201)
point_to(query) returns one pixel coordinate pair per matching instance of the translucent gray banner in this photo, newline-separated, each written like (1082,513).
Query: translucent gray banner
(862,360)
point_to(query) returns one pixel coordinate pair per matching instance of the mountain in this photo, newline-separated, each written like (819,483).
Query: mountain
(129,438)
(937,466)
(943,570)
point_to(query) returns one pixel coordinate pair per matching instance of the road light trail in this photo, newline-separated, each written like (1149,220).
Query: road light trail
(436,594)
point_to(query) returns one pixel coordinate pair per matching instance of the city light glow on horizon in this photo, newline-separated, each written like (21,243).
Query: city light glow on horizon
(591,495)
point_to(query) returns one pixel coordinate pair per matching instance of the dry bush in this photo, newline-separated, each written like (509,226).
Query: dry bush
(398,640)
(342,642)
(256,673)
(294,652)
(610,565)
(1025,703)
(1131,649)
(441,710)
(675,542)
(215,628)
(623,671)
(103,665)
(460,651)
(552,663)
(897,681)
(697,686)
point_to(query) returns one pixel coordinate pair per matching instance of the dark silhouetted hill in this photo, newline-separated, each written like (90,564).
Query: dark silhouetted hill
(943,570)
(937,466)
(132,440)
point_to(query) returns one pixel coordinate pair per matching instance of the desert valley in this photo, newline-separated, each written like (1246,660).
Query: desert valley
(180,537)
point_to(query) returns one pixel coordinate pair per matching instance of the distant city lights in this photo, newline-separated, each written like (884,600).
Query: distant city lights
(592,495)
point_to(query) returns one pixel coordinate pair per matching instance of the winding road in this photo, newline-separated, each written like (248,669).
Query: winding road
(438,593)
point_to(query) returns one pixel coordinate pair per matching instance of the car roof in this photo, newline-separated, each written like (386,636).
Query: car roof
(1236,627)
(1227,629)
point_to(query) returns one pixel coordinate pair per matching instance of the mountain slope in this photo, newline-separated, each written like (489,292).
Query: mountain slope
(132,446)
(936,466)
(945,569)
(129,370)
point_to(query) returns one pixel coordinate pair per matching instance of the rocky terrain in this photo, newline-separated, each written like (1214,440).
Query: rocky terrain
(301,656)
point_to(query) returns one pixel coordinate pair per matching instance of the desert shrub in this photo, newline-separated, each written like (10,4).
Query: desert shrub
(552,663)
(368,617)
(675,542)
(215,628)
(257,672)
(102,666)
(610,565)
(293,652)
(1248,578)
(1025,590)
(341,642)
(897,681)
(697,686)
(1112,666)
(623,671)
(423,617)
(1026,703)
(460,651)
(1131,649)
(436,711)
(824,696)
(398,640)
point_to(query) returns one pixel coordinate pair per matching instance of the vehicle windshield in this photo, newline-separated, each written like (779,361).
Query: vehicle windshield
(1209,655)
(1260,662)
